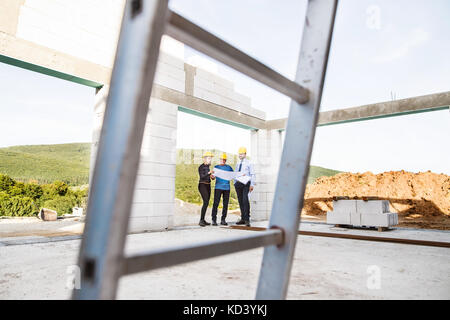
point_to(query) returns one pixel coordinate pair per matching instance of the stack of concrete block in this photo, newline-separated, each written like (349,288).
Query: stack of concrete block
(360,213)
(210,87)
(170,72)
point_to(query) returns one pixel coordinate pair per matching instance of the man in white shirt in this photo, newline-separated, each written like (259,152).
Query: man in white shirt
(242,190)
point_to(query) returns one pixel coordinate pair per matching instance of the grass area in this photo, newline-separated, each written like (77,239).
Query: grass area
(70,163)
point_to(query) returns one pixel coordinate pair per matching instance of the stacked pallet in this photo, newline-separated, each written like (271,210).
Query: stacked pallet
(361,213)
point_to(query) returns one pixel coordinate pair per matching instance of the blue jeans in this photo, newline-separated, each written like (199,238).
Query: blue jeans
(226,197)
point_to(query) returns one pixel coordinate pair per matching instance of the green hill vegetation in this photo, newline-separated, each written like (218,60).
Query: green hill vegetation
(47,163)
(316,172)
(20,199)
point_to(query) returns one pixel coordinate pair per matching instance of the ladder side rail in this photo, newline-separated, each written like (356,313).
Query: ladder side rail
(294,167)
(117,160)
(166,257)
(192,35)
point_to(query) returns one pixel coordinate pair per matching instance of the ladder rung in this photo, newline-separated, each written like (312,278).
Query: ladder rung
(160,258)
(189,33)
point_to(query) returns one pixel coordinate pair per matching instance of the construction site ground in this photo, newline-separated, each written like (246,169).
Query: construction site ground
(186,214)
(38,266)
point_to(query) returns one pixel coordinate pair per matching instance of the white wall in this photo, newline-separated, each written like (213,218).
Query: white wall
(87,29)
(154,195)
(266,150)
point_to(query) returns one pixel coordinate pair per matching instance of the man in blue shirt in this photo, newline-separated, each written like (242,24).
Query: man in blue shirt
(243,190)
(222,188)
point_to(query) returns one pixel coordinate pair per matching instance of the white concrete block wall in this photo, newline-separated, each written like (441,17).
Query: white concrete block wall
(168,58)
(266,154)
(170,73)
(210,87)
(154,195)
(99,110)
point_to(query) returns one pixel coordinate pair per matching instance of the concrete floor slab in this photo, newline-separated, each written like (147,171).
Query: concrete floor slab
(327,268)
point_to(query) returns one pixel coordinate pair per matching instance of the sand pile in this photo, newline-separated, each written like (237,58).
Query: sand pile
(423,193)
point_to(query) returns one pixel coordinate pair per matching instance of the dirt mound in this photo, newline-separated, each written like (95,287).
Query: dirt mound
(423,194)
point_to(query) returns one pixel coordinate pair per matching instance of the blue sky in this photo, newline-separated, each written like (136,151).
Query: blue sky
(403,53)
(39,109)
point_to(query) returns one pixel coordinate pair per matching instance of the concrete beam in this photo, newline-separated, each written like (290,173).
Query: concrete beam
(427,103)
(16,51)
(207,109)
(277,124)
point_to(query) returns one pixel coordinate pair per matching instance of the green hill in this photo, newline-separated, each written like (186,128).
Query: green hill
(70,163)
(47,163)
(316,172)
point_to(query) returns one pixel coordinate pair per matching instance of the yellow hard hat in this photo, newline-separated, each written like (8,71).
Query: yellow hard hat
(224,156)
(207,154)
(242,150)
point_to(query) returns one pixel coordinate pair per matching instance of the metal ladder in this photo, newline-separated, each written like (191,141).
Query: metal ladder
(102,260)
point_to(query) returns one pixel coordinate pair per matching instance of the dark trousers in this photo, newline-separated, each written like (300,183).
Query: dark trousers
(226,197)
(242,191)
(205,191)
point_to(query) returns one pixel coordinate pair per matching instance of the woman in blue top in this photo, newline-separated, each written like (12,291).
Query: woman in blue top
(222,188)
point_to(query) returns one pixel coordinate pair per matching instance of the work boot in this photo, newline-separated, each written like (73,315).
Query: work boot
(203,223)
(214,223)
(247,223)
(240,222)
(224,223)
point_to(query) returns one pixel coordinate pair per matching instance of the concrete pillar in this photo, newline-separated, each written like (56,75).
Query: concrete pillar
(153,204)
(99,111)
(266,146)
(154,195)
